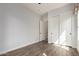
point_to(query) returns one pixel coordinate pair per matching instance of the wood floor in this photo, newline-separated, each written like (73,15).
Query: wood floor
(43,49)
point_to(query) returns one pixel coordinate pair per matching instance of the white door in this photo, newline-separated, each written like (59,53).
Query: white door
(43,30)
(65,29)
(53,29)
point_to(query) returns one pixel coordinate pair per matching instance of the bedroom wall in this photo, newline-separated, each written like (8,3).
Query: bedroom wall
(18,27)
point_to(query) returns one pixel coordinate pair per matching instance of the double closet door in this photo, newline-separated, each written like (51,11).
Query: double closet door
(60,29)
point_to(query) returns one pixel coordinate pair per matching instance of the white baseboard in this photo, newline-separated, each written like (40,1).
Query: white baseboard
(4,52)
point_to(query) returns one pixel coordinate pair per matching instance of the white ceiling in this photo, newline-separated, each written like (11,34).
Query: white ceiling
(43,7)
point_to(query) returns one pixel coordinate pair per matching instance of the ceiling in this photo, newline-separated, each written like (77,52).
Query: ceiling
(43,7)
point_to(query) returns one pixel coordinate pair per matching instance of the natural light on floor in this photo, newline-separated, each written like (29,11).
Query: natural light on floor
(62,46)
(44,54)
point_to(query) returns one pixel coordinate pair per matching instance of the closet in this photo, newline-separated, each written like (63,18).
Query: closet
(62,29)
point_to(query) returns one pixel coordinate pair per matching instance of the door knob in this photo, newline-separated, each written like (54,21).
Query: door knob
(70,33)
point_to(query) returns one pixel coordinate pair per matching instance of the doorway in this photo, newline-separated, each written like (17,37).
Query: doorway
(43,30)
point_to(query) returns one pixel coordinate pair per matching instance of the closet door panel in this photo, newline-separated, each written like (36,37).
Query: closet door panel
(53,29)
(65,29)
(62,33)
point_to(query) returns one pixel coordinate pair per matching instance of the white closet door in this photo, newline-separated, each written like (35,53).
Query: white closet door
(74,30)
(53,29)
(65,29)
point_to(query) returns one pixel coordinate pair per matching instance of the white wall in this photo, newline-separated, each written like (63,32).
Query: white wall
(44,27)
(18,27)
(74,30)
(59,12)
(78,31)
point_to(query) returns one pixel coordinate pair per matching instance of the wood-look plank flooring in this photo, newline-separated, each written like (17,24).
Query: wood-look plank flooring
(43,49)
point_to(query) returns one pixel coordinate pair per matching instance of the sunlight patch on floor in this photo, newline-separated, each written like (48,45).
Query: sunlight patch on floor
(44,54)
(62,46)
